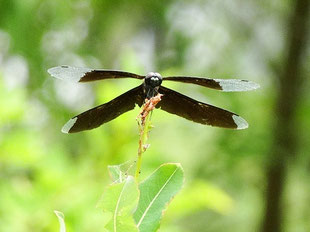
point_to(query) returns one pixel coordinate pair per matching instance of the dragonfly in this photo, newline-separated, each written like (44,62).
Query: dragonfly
(172,102)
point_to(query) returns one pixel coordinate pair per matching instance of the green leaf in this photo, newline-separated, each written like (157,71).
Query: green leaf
(61,219)
(121,199)
(155,193)
(119,173)
(116,174)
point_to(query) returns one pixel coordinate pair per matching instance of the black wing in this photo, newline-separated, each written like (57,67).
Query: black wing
(86,74)
(227,85)
(95,117)
(181,105)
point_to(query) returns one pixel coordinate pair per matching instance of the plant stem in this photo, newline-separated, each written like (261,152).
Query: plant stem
(144,123)
(144,127)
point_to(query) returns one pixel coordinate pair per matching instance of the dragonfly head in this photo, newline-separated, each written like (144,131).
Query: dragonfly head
(153,79)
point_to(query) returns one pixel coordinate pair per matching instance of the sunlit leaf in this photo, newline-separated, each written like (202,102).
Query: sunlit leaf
(118,173)
(61,219)
(155,193)
(120,200)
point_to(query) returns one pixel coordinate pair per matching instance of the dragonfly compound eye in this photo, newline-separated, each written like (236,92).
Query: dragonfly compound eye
(153,79)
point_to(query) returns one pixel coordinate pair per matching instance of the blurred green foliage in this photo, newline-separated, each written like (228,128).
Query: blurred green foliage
(42,170)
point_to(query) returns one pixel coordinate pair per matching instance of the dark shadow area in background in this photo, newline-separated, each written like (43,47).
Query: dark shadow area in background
(284,147)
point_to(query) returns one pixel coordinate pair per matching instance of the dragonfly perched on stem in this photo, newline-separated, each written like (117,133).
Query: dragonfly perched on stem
(171,101)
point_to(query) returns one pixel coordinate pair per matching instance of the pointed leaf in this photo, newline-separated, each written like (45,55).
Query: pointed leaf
(121,199)
(119,173)
(61,219)
(116,173)
(155,193)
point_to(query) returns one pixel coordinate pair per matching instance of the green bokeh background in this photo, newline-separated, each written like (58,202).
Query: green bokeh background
(42,170)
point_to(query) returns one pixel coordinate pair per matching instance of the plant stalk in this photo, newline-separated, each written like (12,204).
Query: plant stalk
(144,123)
(144,128)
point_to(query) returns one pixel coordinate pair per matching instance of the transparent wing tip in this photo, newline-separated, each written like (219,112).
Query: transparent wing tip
(250,85)
(69,73)
(66,128)
(240,122)
(235,85)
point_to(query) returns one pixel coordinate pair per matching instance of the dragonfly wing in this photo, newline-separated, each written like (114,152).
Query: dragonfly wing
(188,108)
(226,85)
(99,115)
(77,74)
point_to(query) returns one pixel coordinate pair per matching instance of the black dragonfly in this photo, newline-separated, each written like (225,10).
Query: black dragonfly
(171,102)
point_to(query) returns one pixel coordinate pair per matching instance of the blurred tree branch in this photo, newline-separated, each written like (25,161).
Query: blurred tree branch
(285,137)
